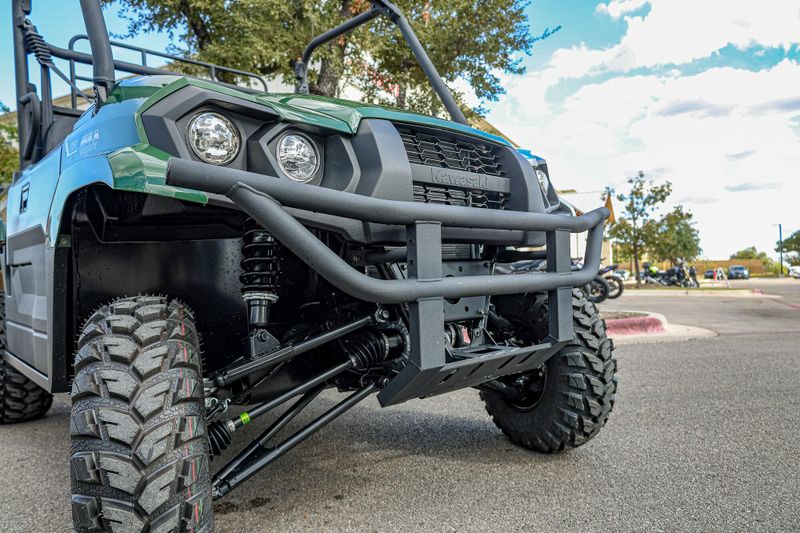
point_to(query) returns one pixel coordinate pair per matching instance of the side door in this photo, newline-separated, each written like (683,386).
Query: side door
(26,273)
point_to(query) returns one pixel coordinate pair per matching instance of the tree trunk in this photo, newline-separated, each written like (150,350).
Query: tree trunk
(330,72)
(328,81)
(636,264)
(400,101)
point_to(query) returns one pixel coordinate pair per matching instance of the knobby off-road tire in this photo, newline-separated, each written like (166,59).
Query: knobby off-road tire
(579,381)
(20,398)
(139,451)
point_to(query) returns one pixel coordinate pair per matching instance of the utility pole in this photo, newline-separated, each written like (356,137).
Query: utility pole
(780,247)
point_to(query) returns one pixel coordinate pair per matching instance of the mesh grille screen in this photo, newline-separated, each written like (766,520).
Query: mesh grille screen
(445,150)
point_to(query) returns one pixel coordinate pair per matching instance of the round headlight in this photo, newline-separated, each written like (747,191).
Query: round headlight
(213,138)
(297,157)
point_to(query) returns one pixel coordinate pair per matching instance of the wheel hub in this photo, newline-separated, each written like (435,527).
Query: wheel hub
(531,387)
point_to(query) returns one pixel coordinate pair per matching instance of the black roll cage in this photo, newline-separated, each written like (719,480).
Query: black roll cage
(36,112)
(393,13)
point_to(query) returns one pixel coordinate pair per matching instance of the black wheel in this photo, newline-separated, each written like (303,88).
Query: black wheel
(20,398)
(139,452)
(597,290)
(566,402)
(615,287)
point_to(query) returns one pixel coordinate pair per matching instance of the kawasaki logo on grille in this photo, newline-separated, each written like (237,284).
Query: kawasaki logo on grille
(470,181)
(449,177)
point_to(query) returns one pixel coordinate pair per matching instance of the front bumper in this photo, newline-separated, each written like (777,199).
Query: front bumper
(434,368)
(266,199)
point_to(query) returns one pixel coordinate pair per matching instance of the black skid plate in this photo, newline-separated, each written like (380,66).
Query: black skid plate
(467,367)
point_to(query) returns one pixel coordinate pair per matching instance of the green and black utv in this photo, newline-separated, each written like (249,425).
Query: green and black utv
(311,243)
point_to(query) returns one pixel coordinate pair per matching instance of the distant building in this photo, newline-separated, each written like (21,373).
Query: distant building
(583,202)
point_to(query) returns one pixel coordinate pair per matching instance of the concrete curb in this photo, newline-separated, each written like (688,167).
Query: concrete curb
(714,293)
(652,328)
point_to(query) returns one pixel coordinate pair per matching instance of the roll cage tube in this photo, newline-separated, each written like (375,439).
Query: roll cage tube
(103,59)
(37,112)
(35,115)
(393,13)
(20,10)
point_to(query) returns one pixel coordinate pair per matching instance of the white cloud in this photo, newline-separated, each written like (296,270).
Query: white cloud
(616,8)
(681,31)
(726,137)
(684,129)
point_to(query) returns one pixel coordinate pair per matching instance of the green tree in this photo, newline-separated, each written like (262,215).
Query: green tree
(635,228)
(9,155)
(751,252)
(466,39)
(791,248)
(675,237)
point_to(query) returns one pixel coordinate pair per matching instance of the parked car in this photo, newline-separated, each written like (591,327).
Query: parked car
(302,238)
(794,272)
(738,272)
(709,274)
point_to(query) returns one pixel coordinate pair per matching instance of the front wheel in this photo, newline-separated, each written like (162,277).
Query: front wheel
(597,290)
(139,450)
(567,401)
(616,287)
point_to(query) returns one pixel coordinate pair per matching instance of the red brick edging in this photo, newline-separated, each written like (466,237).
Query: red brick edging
(635,325)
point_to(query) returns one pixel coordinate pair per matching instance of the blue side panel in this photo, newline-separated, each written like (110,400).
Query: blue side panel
(35,268)
(28,267)
(112,128)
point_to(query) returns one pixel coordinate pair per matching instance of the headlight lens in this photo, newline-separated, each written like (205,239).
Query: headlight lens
(213,138)
(297,157)
(544,181)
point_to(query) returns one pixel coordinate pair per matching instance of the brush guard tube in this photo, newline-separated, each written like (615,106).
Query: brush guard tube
(433,367)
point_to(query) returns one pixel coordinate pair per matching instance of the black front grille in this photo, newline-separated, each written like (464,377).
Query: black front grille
(438,148)
(435,194)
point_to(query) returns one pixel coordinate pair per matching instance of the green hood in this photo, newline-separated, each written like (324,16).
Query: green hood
(333,113)
(351,113)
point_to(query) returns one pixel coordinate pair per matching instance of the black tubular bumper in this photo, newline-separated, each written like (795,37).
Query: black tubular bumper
(264,197)
(432,367)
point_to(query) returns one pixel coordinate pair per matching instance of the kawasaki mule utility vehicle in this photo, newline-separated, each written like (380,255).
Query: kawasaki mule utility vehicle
(311,243)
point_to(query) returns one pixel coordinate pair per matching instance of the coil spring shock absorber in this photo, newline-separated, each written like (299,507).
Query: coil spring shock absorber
(261,273)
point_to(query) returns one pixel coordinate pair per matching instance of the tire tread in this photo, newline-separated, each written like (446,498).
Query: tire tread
(139,451)
(21,399)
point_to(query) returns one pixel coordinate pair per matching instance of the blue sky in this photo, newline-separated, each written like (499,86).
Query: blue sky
(705,94)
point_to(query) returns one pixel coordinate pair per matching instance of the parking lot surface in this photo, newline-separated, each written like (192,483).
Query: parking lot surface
(703,438)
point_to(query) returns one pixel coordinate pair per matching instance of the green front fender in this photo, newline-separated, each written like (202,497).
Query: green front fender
(140,168)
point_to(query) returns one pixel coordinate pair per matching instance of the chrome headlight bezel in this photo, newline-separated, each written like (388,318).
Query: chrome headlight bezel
(300,176)
(230,128)
(544,181)
(544,184)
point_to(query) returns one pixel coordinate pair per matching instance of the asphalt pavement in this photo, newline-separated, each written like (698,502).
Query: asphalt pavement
(703,438)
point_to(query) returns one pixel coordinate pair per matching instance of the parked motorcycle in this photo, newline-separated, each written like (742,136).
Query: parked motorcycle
(679,275)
